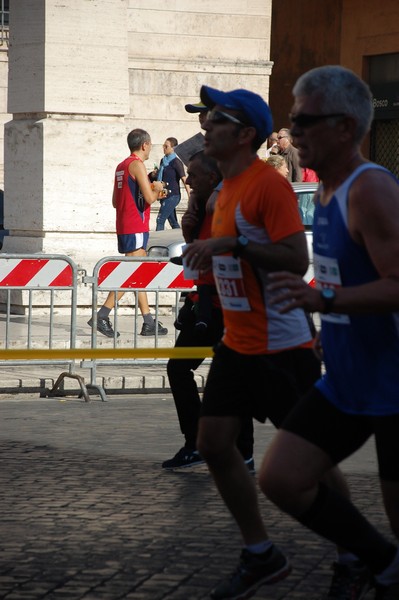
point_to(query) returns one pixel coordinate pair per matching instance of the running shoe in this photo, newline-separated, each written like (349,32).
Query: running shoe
(349,582)
(148,330)
(253,571)
(104,326)
(186,457)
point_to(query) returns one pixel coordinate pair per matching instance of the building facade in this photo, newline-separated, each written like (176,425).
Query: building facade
(77,76)
(359,34)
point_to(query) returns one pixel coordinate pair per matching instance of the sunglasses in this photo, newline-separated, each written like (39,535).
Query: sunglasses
(218,116)
(305,120)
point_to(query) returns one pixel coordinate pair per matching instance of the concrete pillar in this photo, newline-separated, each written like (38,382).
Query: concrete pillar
(68,93)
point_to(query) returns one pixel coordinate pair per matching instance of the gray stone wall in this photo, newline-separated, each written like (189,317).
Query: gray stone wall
(82,74)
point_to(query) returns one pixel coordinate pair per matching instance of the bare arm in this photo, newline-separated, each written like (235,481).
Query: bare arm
(374,224)
(114,196)
(211,202)
(288,253)
(296,168)
(150,191)
(186,187)
(190,219)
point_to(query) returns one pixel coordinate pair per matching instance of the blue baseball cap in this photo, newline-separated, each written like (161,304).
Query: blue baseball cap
(255,109)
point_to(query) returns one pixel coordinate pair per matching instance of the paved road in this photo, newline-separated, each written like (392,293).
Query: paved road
(88,513)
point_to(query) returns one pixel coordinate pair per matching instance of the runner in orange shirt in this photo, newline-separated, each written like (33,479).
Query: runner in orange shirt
(265,361)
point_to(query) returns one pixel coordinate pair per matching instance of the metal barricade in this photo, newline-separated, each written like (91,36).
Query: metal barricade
(133,274)
(29,285)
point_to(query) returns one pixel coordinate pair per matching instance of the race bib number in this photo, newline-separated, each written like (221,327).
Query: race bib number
(229,282)
(327,275)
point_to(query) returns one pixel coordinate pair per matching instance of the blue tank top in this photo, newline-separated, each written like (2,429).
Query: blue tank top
(361,352)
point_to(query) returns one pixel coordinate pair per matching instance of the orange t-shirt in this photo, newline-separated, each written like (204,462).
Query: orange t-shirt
(260,204)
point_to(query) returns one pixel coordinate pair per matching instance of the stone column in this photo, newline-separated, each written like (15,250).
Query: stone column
(68,92)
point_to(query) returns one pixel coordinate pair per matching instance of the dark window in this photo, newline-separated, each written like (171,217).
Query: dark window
(384,84)
(5,12)
(385,144)
(4,21)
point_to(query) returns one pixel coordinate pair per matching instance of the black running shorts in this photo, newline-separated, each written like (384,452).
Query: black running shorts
(340,434)
(261,386)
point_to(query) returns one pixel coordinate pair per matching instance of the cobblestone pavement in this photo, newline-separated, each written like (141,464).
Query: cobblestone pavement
(88,513)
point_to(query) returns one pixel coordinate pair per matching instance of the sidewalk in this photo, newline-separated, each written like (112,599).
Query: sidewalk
(114,378)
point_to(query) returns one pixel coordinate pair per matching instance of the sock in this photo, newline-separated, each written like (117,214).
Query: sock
(335,518)
(259,548)
(103,313)
(149,319)
(391,573)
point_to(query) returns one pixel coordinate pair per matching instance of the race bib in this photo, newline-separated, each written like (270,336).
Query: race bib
(327,275)
(229,282)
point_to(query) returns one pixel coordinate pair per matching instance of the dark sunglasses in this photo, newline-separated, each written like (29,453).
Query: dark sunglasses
(305,120)
(218,116)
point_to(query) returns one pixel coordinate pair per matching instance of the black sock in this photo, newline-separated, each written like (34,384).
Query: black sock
(103,313)
(335,518)
(149,319)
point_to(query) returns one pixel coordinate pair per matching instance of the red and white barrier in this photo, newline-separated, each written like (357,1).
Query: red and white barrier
(35,273)
(114,275)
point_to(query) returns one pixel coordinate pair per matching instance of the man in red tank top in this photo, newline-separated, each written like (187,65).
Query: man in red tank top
(132,198)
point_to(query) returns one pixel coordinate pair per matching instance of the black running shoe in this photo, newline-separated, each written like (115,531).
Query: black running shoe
(186,457)
(253,571)
(150,329)
(390,592)
(349,582)
(104,326)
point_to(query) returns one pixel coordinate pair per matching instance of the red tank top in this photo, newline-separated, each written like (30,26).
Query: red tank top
(132,211)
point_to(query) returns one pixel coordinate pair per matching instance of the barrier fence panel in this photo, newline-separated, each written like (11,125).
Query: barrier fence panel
(33,282)
(132,274)
(38,318)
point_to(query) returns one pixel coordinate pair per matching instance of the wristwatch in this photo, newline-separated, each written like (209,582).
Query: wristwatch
(241,244)
(328,296)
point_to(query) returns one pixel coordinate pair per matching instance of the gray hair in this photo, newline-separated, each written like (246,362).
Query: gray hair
(136,138)
(287,133)
(340,91)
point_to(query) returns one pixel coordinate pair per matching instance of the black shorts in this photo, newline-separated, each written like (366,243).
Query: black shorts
(340,434)
(263,386)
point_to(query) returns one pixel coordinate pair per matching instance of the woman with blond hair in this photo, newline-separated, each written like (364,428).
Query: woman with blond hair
(279,163)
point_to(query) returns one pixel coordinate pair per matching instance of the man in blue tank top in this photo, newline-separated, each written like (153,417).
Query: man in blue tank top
(356,257)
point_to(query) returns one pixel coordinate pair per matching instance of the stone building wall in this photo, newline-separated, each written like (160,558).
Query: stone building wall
(175,49)
(82,74)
